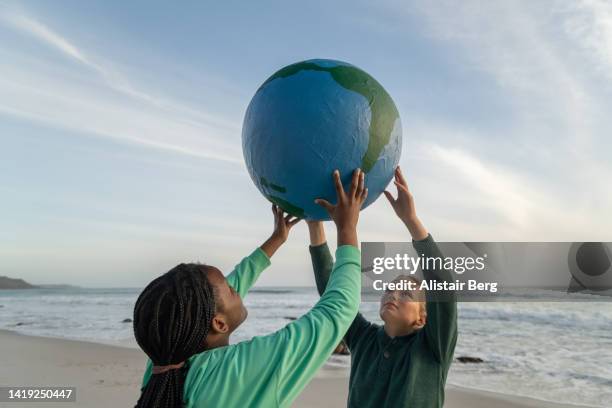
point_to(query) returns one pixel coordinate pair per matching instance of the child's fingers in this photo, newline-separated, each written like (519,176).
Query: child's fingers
(338,184)
(275,211)
(401,187)
(364,195)
(355,182)
(389,197)
(325,204)
(400,176)
(291,220)
(361,184)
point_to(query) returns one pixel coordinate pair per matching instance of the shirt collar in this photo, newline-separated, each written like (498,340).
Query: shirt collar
(385,340)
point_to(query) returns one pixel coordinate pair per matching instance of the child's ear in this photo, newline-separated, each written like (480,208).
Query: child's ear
(219,325)
(421,320)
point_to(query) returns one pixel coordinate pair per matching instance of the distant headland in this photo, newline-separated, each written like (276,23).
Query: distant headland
(13,283)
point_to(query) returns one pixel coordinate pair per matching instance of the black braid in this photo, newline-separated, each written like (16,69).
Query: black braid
(172,317)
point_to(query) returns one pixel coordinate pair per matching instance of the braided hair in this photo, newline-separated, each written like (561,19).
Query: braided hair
(172,317)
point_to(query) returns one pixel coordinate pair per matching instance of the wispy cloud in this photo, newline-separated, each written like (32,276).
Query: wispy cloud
(130,114)
(589,24)
(44,34)
(507,203)
(512,43)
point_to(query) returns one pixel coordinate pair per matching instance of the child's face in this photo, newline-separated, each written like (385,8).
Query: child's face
(229,303)
(403,309)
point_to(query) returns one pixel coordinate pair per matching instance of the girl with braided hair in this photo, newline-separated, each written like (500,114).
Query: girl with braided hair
(184,318)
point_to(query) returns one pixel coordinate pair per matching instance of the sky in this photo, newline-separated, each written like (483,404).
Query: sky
(120,126)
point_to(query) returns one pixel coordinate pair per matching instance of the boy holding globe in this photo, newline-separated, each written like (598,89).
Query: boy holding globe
(403,363)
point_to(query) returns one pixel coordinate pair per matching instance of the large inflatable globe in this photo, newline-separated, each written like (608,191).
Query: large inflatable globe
(310,118)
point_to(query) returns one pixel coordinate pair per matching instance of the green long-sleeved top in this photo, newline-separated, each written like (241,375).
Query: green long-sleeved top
(406,371)
(271,371)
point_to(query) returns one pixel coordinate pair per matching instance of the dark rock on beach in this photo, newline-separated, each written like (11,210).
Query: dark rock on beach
(126,321)
(467,359)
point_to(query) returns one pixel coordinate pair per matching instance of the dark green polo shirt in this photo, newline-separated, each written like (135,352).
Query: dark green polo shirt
(407,371)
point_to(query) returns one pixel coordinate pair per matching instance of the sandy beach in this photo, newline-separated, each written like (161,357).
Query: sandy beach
(107,375)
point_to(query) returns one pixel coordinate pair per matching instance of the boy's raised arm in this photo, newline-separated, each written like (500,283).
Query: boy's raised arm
(441,326)
(320,255)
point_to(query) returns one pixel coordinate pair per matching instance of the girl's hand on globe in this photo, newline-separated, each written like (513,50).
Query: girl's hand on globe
(404,207)
(345,213)
(282,225)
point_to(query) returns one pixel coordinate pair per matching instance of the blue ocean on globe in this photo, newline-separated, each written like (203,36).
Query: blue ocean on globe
(310,118)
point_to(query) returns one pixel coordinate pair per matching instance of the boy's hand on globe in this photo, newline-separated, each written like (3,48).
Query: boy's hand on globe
(404,207)
(282,225)
(345,213)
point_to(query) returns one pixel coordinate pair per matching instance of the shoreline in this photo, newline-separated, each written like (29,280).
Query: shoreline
(109,375)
